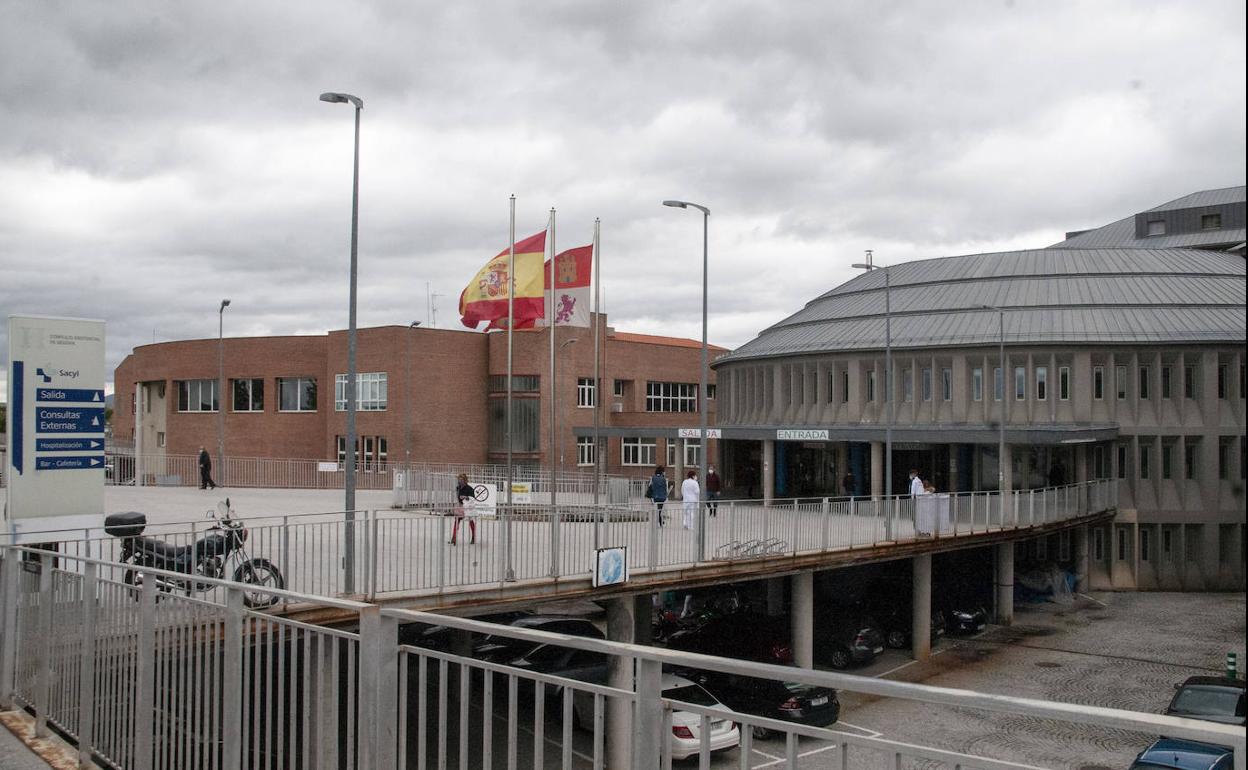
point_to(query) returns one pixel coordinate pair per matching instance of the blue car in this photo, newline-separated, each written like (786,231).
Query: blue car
(1175,754)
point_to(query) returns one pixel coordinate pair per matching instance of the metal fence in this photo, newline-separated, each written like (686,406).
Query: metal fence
(144,681)
(389,552)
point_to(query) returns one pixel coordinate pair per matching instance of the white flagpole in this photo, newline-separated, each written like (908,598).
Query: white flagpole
(510,573)
(596,317)
(554,416)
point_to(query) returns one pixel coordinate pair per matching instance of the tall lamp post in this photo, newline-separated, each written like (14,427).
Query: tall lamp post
(1001,431)
(704,449)
(562,345)
(407,415)
(221,389)
(349,480)
(870,265)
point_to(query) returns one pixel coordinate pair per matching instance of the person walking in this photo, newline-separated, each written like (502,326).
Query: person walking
(713,487)
(689,495)
(205,470)
(916,483)
(464,498)
(657,491)
(847,484)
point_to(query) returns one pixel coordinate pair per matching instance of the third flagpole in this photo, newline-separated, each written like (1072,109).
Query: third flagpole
(554,418)
(509,573)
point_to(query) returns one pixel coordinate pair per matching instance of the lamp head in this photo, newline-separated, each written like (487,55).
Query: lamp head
(337,98)
(225,303)
(413,324)
(864,266)
(676,204)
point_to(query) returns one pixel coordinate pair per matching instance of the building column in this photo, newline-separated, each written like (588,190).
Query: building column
(1005,584)
(954,487)
(841,458)
(768,470)
(877,468)
(802,619)
(1081,558)
(624,617)
(678,472)
(775,596)
(921,608)
(1081,474)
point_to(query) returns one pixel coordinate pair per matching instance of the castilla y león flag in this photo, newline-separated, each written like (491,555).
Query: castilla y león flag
(573,276)
(485,297)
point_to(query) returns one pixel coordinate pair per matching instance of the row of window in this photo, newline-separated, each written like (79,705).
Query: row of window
(294,394)
(1190,469)
(1207,222)
(1227,546)
(660,396)
(643,451)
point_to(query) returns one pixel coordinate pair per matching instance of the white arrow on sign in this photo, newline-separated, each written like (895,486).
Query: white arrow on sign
(95,461)
(96,397)
(96,444)
(95,420)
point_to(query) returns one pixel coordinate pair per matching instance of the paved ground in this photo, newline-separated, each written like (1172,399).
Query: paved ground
(15,756)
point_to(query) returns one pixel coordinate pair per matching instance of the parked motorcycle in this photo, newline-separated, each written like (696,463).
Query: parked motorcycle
(212,556)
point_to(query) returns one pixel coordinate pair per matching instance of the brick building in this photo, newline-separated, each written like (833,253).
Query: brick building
(286,398)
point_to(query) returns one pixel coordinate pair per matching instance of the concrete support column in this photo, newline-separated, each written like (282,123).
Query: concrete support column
(775,596)
(1081,473)
(877,468)
(921,608)
(679,472)
(842,465)
(622,622)
(769,470)
(802,619)
(1007,468)
(1005,584)
(953,469)
(1081,558)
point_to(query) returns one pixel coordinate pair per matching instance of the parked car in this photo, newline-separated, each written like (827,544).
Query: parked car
(742,635)
(438,637)
(964,619)
(497,648)
(844,638)
(686,725)
(1212,698)
(789,701)
(1175,754)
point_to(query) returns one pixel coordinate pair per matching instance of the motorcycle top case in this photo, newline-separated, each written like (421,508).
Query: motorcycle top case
(128,524)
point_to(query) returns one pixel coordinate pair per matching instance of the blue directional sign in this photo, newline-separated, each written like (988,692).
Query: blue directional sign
(77,462)
(68,396)
(69,419)
(68,444)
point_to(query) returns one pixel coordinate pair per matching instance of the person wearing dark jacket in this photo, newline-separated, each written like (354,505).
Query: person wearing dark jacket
(713,487)
(463,497)
(205,470)
(658,491)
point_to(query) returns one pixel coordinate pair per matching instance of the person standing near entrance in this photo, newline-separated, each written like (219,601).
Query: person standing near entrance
(713,487)
(657,491)
(847,484)
(690,493)
(916,483)
(205,470)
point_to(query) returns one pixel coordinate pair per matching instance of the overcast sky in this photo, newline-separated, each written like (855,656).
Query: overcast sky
(156,157)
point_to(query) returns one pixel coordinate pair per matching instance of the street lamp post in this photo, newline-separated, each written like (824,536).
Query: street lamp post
(870,265)
(705,443)
(221,389)
(562,345)
(349,473)
(407,415)
(1001,430)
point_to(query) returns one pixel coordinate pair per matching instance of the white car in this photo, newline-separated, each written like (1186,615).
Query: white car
(686,725)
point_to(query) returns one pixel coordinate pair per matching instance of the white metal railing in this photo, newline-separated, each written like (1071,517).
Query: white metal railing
(410,552)
(145,681)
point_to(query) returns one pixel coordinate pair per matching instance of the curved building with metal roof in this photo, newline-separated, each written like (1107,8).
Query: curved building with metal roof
(1121,360)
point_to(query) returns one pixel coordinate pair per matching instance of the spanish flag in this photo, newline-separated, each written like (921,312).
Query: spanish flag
(485,297)
(573,274)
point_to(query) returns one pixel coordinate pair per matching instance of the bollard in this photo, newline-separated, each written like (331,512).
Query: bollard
(1232,670)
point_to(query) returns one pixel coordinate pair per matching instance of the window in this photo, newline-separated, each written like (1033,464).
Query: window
(587,393)
(1063,383)
(1145,451)
(374,455)
(1167,542)
(1146,550)
(693,454)
(1224,460)
(998,387)
(1222,382)
(249,395)
(1122,544)
(1100,467)
(1144,382)
(1189,381)
(871,385)
(520,383)
(1020,383)
(1241,380)
(370,392)
(1063,545)
(1122,461)
(670,460)
(585,454)
(1120,382)
(946,384)
(525,424)
(1210,221)
(845,386)
(296,394)
(1167,460)
(1189,459)
(927,383)
(1042,549)
(637,451)
(1098,544)
(907,386)
(1042,383)
(1157,227)
(1165,381)
(671,397)
(160,438)
(1098,382)
(619,389)
(197,396)
(977,384)
(710,391)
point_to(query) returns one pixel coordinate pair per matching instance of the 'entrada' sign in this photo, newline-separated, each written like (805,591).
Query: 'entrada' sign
(801,435)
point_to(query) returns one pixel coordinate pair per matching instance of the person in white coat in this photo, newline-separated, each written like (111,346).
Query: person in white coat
(690,493)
